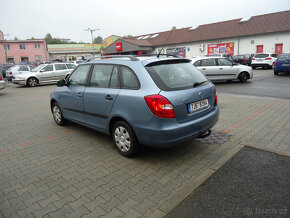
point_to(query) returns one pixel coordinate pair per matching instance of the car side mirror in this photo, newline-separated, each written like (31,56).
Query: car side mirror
(61,83)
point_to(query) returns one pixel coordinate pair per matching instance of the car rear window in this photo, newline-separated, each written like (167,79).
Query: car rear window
(261,55)
(285,57)
(175,75)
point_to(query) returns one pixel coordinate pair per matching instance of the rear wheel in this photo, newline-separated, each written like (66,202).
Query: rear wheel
(253,67)
(276,73)
(125,139)
(243,77)
(32,82)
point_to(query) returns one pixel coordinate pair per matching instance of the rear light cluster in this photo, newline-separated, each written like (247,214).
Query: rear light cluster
(268,58)
(1,78)
(275,63)
(244,60)
(10,73)
(160,106)
(253,58)
(215,98)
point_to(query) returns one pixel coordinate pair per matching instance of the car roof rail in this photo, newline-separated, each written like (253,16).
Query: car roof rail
(131,57)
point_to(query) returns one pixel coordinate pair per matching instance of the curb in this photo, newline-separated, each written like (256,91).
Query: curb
(185,191)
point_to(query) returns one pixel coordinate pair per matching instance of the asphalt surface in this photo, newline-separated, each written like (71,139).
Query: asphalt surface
(264,83)
(253,183)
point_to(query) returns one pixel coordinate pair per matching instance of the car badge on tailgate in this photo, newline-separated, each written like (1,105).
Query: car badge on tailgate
(200,94)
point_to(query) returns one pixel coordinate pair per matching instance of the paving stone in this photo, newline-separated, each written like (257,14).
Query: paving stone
(96,213)
(95,203)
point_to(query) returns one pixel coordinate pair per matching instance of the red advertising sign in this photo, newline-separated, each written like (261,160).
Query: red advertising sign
(119,46)
(221,48)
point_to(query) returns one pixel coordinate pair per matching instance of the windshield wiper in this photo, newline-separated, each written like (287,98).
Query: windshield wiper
(199,83)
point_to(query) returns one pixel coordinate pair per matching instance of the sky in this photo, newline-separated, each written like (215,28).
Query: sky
(68,18)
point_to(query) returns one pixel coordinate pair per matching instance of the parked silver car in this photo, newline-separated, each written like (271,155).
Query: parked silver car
(218,68)
(17,69)
(44,73)
(2,82)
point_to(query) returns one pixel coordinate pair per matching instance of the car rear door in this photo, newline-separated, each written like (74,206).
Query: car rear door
(71,99)
(209,68)
(100,95)
(60,71)
(23,69)
(226,69)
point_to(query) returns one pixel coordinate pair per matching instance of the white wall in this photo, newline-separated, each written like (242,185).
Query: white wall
(242,45)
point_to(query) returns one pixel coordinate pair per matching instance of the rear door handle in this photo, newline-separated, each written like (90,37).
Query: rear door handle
(80,94)
(109,98)
(221,68)
(203,69)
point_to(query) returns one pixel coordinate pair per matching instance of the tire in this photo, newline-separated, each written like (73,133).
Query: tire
(243,77)
(57,115)
(253,67)
(125,139)
(32,82)
(276,73)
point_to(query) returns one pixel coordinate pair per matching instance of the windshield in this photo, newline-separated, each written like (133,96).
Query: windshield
(285,57)
(261,55)
(175,76)
(37,68)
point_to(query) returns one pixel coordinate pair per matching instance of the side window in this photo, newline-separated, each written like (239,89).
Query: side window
(197,63)
(48,68)
(23,68)
(274,55)
(101,75)
(129,80)
(208,62)
(224,62)
(71,66)
(79,76)
(60,67)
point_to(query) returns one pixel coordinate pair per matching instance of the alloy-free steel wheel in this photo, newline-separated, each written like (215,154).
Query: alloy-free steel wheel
(57,114)
(125,139)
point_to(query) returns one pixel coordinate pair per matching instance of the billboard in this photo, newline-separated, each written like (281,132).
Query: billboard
(176,51)
(221,48)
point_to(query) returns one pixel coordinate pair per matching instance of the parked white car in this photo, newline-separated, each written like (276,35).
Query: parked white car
(17,69)
(264,60)
(218,68)
(44,74)
(2,82)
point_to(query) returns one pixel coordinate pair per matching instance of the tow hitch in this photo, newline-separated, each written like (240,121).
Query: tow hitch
(206,134)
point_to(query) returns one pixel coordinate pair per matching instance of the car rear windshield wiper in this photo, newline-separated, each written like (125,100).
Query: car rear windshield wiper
(199,83)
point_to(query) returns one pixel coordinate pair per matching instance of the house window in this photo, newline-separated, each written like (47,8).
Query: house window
(38,58)
(6,47)
(22,46)
(37,46)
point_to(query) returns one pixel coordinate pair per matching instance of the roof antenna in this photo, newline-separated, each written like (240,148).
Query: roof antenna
(164,43)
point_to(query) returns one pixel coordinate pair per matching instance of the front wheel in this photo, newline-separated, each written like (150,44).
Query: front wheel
(125,139)
(243,77)
(32,82)
(57,115)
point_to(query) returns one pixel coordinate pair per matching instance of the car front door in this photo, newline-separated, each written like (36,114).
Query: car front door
(226,69)
(72,97)
(46,73)
(100,95)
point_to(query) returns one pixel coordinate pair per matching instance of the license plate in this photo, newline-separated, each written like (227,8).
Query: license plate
(285,64)
(197,105)
(259,59)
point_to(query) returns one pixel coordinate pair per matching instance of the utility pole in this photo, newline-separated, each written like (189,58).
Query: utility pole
(92,30)
(5,47)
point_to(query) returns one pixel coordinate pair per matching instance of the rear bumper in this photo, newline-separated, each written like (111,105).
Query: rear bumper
(261,64)
(165,133)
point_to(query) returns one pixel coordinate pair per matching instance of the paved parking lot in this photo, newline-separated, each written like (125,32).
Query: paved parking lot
(72,171)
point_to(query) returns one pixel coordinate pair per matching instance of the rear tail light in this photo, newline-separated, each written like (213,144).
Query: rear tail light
(268,58)
(10,73)
(244,60)
(215,99)
(275,63)
(160,106)
(253,58)
(1,78)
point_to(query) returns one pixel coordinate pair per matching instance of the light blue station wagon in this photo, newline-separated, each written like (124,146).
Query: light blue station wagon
(152,101)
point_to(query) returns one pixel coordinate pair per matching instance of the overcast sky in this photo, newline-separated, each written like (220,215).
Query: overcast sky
(69,18)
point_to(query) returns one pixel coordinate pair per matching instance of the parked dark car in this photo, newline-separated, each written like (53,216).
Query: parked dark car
(244,59)
(282,64)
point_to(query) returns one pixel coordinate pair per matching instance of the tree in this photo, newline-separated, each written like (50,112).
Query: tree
(98,40)
(15,38)
(127,36)
(32,38)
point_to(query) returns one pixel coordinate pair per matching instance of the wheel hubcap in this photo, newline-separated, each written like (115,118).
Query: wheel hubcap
(56,114)
(33,82)
(122,139)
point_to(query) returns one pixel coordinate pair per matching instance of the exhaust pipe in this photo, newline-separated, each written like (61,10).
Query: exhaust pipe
(205,134)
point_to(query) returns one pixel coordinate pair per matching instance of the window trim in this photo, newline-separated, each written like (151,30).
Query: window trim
(24,46)
(134,74)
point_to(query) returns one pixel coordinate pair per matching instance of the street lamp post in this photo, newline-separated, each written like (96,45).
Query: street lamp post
(5,48)
(92,30)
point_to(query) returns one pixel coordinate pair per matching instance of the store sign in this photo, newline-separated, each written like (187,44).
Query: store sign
(221,48)
(119,46)
(181,52)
